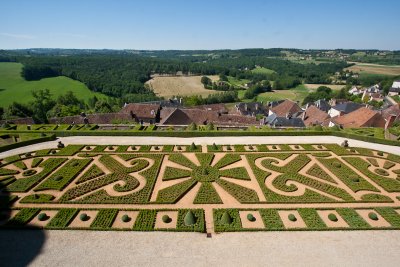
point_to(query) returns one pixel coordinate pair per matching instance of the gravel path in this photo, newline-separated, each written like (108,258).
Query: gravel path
(90,248)
(144,140)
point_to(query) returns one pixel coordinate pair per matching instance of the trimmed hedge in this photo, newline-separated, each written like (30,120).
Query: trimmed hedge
(104,219)
(24,216)
(145,220)
(221,226)
(312,219)
(62,219)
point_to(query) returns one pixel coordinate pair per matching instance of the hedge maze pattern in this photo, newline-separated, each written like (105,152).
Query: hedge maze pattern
(129,187)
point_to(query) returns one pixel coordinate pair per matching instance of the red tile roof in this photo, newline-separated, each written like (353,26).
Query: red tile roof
(287,106)
(314,116)
(362,117)
(142,110)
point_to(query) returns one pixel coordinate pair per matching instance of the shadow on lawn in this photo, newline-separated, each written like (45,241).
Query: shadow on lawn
(18,247)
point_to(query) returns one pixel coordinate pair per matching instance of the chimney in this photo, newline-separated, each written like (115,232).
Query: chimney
(303,116)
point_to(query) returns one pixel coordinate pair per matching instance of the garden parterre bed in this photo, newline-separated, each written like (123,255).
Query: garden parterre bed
(152,188)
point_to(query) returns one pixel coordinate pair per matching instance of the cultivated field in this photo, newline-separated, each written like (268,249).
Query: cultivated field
(374,69)
(209,188)
(179,86)
(315,86)
(14,88)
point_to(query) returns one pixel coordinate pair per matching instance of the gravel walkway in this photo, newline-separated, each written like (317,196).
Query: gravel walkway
(90,248)
(144,140)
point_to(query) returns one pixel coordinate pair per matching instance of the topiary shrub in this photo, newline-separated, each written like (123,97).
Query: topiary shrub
(125,218)
(179,148)
(84,217)
(133,147)
(355,179)
(29,172)
(75,164)
(190,218)
(319,147)
(58,178)
(380,153)
(27,155)
(274,147)
(42,217)
(381,172)
(87,148)
(156,148)
(251,218)
(352,150)
(337,164)
(193,146)
(373,216)
(110,148)
(251,147)
(292,218)
(53,152)
(226,218)
(228,148)
(215,147)
(332,217)
(166,219)
(296,146)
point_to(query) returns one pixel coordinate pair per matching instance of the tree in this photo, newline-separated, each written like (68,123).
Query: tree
(1,112)
(102,106)
(206,81)
(222,77)
(18,110)
(41,104)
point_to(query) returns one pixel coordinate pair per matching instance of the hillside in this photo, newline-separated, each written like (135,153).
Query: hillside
(14,88)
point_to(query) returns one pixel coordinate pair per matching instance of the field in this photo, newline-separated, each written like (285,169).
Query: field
(179,86)
(363,68)
(262,70)
(214,188)
(14,88)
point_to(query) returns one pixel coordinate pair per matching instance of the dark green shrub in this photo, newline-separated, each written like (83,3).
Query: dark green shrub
(382,172)
(133,147)
(273,147)
(292,218)
(337,164)
(125,218)
(156,148)
(27,155)
(319,146)
(179,148)
(380,153)
(193,146)
(53,152)
(84,217)
(166,219)
(251,147)
(226,218)
(332,217)
(373,216)
(296,146)
(229,148)
(251,218)
(29,172)
(88,148)
(58,178)
(215,147)
(110,148)
(42,217)
(352,150)
(190,218)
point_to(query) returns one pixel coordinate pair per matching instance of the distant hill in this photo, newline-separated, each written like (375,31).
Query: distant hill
(14,88)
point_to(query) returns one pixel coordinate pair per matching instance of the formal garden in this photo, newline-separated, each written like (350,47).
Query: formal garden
(213,188)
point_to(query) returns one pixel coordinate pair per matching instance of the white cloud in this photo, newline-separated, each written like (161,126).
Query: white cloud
(17,36)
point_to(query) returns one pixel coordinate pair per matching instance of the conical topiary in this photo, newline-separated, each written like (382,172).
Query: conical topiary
(215,147)
(190,218)
(193,146)
(226,218)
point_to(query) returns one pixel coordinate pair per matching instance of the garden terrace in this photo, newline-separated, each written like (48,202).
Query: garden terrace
(202,188)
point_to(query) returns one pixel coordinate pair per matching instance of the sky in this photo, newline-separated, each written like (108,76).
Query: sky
(195,24)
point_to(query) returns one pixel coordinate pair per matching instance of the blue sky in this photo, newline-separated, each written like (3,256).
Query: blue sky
(206,24)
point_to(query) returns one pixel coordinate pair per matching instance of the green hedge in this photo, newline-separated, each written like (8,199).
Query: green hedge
(104,219)
(62,219)
(145,220)
(23,217)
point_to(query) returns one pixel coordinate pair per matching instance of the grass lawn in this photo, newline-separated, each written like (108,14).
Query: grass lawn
(295,94)
(262,70)
(236,82)
(14,88)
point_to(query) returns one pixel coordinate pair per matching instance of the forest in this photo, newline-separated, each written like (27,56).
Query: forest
(121,73)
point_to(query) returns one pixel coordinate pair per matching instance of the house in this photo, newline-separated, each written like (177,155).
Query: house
(186,116)
(140,112)
(321,104)
(101,118)
(275,121)
(373,89)
(286,107)
(355,91)
(366,97)
(362,117)
(343,108)
(395,89)
(213,107)
(250,109)
(392,114)
(314,116)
